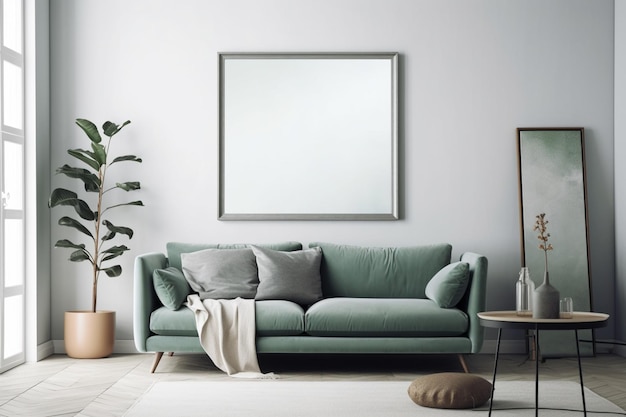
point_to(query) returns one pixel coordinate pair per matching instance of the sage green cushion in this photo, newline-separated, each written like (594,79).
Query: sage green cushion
(171,287)
(292,276)
(448,285)
(166,322)
(174,249)
(402,272)
(383,317)
(279,318)
(450,390)
(221,273)
(272,318)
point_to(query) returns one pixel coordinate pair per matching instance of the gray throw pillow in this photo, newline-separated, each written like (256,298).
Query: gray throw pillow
(221,273)
(292,276)
(448,285)
(171,287)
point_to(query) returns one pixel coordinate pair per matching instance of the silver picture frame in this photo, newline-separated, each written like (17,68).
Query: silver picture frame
(308,136)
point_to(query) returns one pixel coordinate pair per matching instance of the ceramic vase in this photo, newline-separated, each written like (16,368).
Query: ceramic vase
(546,300)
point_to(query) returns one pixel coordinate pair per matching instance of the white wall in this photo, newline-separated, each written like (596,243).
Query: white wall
(472,71)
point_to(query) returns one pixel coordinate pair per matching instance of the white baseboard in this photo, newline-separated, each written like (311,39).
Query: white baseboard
(125,346)
(44,350)
(120,346)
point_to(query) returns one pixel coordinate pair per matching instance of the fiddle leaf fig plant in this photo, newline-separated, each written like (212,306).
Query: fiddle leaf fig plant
(99,232)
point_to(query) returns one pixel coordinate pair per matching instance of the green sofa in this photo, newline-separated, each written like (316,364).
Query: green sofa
(374,302)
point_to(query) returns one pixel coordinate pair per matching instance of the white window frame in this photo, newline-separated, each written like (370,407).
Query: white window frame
(15,135)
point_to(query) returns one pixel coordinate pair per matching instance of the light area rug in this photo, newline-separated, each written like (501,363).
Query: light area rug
(278,398)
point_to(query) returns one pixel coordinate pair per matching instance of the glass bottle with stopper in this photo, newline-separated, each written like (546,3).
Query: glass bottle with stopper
(524,290)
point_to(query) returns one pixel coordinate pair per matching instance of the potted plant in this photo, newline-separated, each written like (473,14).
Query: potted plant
(91,333)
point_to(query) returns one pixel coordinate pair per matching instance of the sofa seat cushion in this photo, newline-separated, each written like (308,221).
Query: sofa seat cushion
(167,322)
(383,317)
(272,317)
(279,318)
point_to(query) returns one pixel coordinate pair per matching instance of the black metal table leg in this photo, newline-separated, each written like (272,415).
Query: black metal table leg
(495,371)
(536,371)
(580,373)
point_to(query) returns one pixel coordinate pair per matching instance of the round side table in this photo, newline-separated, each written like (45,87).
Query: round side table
(510,320)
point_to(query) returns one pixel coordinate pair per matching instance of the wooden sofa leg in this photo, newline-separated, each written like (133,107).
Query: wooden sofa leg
(463,364)
(157,358)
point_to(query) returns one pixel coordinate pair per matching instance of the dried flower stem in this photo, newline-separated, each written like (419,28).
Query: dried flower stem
(541,226)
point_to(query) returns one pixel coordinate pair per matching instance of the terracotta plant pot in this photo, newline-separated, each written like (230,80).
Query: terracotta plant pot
(89,335)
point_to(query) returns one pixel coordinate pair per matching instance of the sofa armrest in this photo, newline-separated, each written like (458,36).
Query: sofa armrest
(144,298)
(476,296)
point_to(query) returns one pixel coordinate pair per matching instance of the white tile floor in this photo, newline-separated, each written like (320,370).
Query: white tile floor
(60,386)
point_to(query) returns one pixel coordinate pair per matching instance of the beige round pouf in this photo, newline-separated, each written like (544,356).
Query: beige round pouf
(450,390)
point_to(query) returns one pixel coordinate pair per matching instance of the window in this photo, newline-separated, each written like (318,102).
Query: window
(12,272)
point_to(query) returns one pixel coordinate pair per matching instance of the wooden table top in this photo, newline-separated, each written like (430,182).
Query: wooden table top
(510,319)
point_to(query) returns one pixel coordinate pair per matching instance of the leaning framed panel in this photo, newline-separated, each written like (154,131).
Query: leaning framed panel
(552,180)
(308,136)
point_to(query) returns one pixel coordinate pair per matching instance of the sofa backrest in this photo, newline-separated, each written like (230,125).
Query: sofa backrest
(401,272)
(174,249)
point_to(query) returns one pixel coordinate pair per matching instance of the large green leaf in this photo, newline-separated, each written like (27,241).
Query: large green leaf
(90,129)
(111,128)
(113,271)
(91,181)
(132,203)
(69,222)
(79,256)
(114,252)
(65,243)
(99,152)
(113,230)
(128,186)
(86,156)
(63,197)
(126,158)
(84,211)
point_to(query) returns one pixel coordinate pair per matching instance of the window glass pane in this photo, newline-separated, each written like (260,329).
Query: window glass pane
(13,252)
(12,100)
(12,24)
(13,176)
(13,325)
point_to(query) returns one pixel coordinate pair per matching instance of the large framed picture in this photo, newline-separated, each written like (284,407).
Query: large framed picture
(308,136)
(552,180)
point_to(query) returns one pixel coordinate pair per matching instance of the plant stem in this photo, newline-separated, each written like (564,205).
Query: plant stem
(96,260)
(94,297)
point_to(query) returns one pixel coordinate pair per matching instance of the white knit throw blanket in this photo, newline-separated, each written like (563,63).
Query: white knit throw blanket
(227,333)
